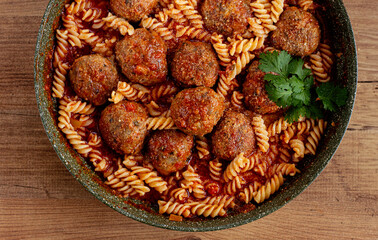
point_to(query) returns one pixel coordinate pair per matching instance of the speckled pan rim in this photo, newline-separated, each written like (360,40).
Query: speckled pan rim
(83,173)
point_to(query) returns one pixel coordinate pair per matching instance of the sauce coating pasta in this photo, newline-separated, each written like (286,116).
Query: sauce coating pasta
(169,105)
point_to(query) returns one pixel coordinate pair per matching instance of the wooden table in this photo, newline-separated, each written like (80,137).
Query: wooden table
(40,199)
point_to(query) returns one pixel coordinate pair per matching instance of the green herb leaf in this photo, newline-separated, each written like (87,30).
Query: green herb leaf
(296,67)
(332,96)
(275,62)
(294,113)
(292,86)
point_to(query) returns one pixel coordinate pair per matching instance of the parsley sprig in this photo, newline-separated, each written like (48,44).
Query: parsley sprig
(291,86)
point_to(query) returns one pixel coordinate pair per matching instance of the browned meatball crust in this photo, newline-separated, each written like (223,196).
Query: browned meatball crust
(256,97)
(169,150)
(93,78)
(232,136)
(132,10)
(226,17)
(197,110)
(123,126)
(142,57)
(195,63)
(297,32)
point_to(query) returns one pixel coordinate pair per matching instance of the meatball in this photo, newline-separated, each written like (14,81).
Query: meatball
(132,10)
(123,126)
(232,136)
(195,63)
(255,96)
(197,110)
(169,150)
(297,32)
(226,17)
(93,78)
(142,57)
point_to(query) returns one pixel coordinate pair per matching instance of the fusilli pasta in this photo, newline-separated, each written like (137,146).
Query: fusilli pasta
(235,167)
(270,187)
(261,133)
(160,123)
(150,177)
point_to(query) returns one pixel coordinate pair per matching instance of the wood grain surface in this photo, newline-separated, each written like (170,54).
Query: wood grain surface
(39,199)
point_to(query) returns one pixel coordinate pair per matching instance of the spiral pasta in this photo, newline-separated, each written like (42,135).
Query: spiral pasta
(246,45)
(193,33)
(73,38)
(215,168)
(72,23)
(179,193)
(117,23)
(249,192)
(176,14)
(72,135)
(285,169)
(276,9)
(154,109)
(235,167)
(105,48)
(237,99)
(285,154)
(154,25)
(163,91)
(314,138)
(189,12)
(306,4)
(206,210)
(298,148)
(261,168)
(101,163)
(131,160)
(202,147)
(270,187)
(61,68)
(318,68)
(171,207)
(120,186)
(327,55)
(289,133)
(80,107)
(277,127)
(89,15)
(160,123)
(94,140)
(233,186)
(89,37)
(123,177)
(164,3)
(256,27)
(251,162)
(77,7)
(321,63)
(261,133)
(227,201)
(225,86)
(221,49)
(115,181)
(305,126)
(125,90)
(162,16)
(150,177)
(193,183)
(241,62)
(262,12)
